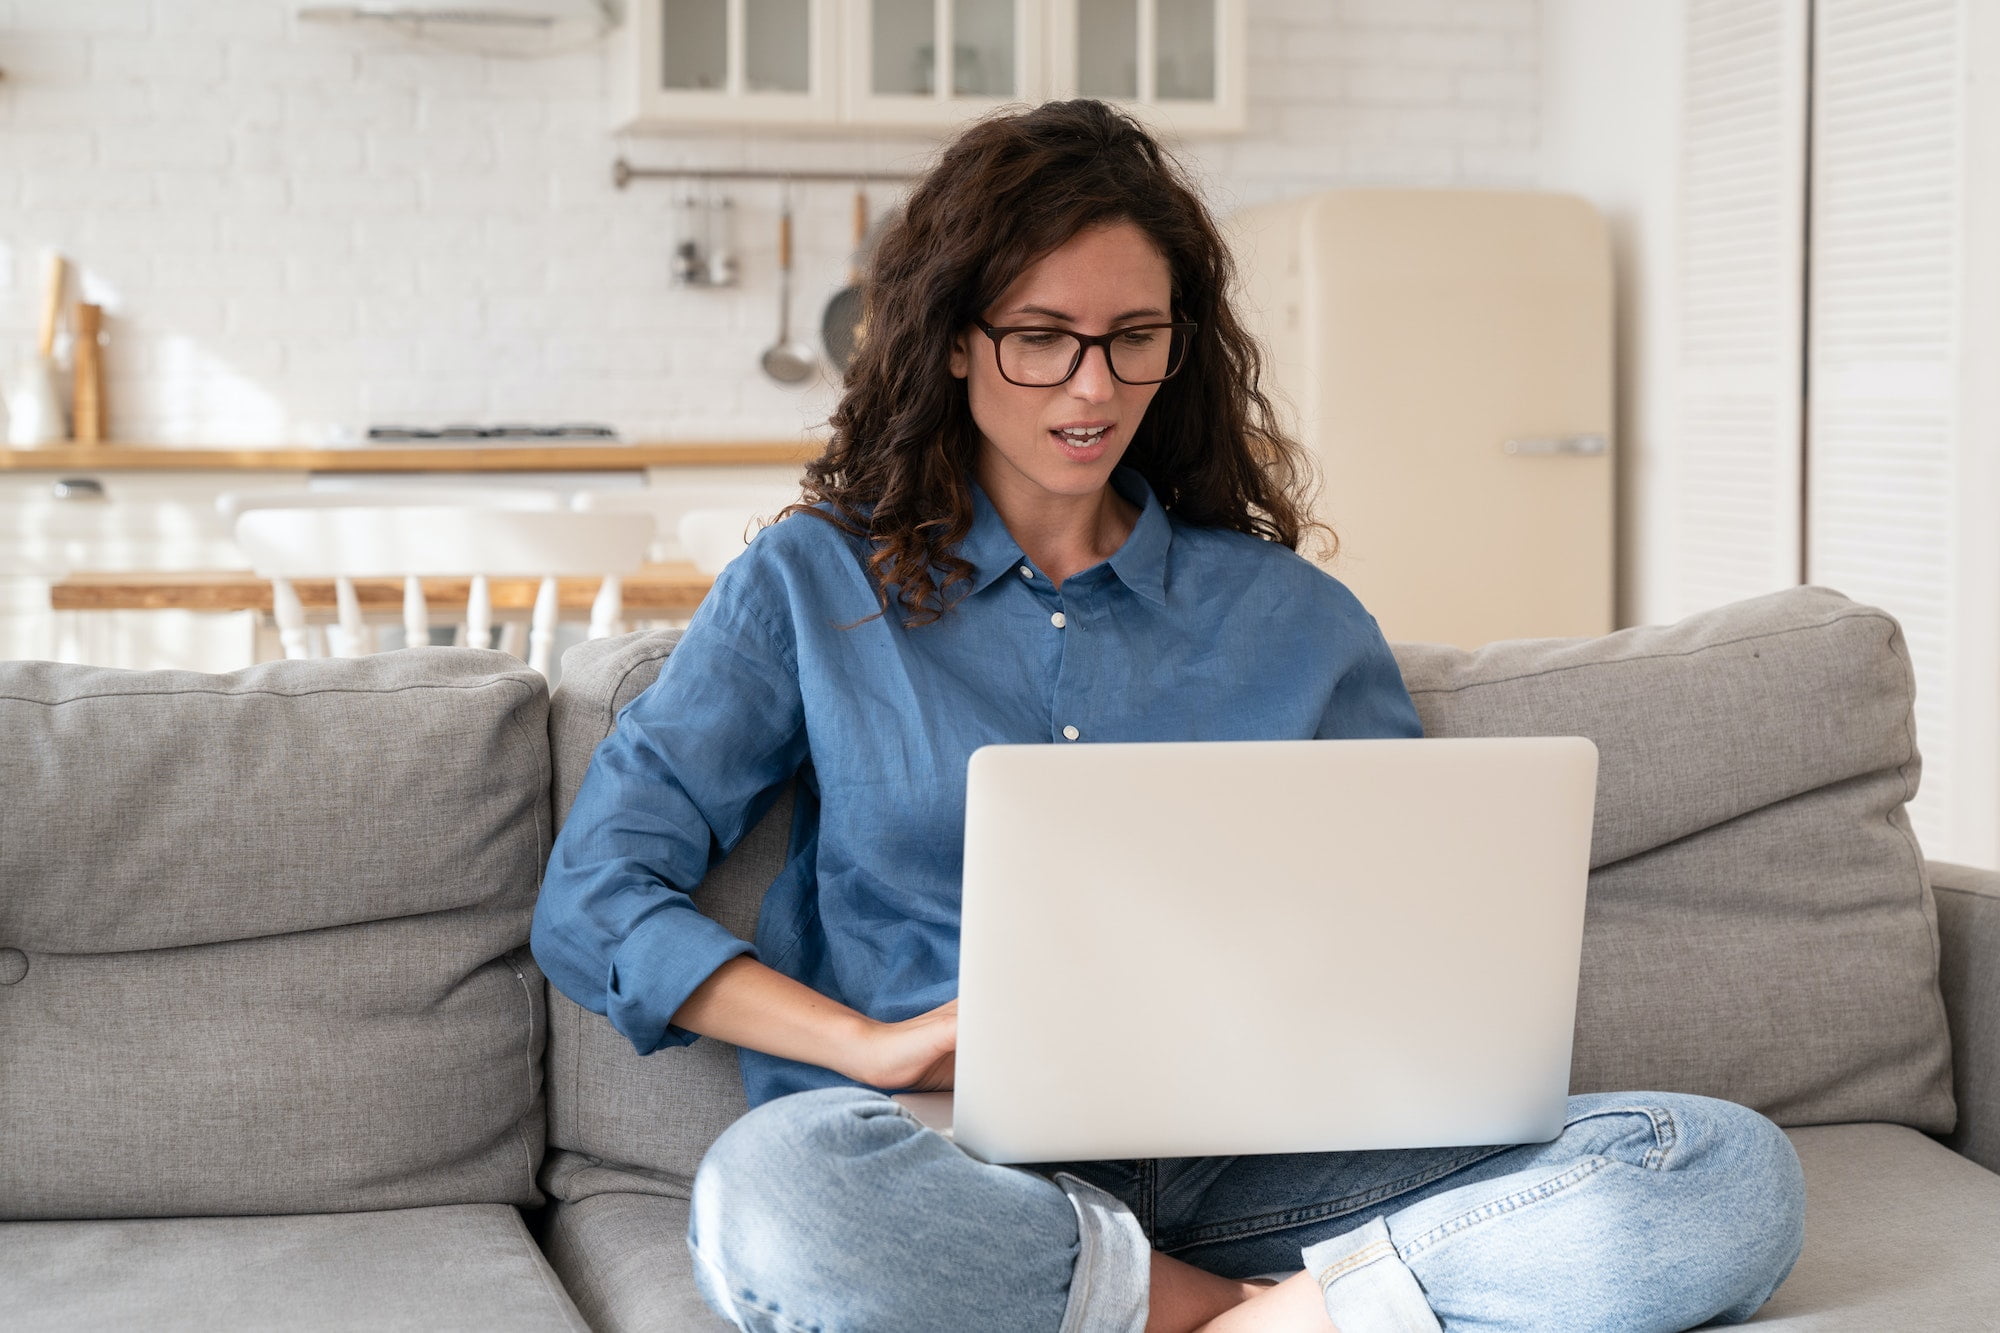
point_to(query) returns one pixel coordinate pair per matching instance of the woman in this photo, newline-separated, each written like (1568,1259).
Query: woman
(1055,509)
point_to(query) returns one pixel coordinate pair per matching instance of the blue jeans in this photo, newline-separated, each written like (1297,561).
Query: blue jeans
(834,1210)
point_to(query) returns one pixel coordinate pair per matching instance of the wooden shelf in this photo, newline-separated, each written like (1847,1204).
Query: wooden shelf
(535,457)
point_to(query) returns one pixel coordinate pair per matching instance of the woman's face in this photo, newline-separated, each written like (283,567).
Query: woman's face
(1066,439)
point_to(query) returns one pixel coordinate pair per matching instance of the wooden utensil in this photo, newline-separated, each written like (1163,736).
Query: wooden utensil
(87,414)
(52,297)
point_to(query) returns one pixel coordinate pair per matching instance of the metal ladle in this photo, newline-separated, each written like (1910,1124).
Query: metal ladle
(787,361)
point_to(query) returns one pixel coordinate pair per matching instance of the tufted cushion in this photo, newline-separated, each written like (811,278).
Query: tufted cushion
(271,929)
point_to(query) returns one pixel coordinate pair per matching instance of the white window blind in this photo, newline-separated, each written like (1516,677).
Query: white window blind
(1742,225)
(1883,343)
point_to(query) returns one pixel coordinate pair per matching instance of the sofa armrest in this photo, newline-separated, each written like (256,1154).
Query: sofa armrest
(1968,906)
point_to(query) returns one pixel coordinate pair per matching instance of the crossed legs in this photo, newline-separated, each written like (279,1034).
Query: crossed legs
(833,1210)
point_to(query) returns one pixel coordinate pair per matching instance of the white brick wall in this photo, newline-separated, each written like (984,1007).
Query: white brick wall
(300,229)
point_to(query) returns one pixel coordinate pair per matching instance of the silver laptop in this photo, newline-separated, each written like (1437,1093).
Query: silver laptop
(1215,948)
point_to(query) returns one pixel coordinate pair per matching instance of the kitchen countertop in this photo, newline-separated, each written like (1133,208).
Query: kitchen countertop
(530,457)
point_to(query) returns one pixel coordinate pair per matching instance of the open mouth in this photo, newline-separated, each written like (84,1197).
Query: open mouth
(1082,441)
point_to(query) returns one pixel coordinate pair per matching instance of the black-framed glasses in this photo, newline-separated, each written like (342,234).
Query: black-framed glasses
(1041,358)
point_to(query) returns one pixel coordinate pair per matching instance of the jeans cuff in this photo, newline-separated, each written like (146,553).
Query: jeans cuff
(1114,1262)
(1367,1286)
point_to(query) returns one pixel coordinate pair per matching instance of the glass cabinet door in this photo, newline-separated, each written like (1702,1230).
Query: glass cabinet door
(777,47)
(902,51)
(983,58)
(734,61)
(933,62)
(1107,49)
(694,52)
(1177,63)
(1184,50)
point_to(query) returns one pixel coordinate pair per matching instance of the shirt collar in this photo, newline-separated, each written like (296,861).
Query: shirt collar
(1140,564)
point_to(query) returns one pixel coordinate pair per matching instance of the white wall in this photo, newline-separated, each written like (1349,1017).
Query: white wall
(1610,132)
(301,229)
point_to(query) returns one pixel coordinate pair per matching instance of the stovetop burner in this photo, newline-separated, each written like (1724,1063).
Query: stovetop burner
(475,434)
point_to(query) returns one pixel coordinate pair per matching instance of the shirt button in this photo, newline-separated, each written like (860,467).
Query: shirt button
(1058,620)
(1070,733)
(1027,573)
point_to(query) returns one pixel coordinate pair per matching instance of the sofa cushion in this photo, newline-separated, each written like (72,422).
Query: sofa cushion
(1968,902)
(624,1260)
(271,936)
(619,1120)
(468,1266)
(1759,925)
(1899,1235)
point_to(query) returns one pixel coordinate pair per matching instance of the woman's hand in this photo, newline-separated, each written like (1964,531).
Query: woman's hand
(916,1055)
(746,1003)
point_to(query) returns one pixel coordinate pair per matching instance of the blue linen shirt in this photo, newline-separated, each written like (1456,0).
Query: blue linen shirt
(1187,633)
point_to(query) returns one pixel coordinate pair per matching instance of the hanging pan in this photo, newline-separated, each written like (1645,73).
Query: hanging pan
(842,326)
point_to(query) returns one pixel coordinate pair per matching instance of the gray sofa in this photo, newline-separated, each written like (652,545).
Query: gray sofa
(273,1053)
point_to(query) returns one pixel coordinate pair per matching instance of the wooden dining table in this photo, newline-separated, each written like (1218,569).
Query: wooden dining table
(655,592)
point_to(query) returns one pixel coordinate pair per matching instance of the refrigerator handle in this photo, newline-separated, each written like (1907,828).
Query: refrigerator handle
(1556,444)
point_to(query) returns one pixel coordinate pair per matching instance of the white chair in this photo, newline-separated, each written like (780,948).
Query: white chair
(233,504)
(714,537)
(412,542)
(671,501)
(706,523)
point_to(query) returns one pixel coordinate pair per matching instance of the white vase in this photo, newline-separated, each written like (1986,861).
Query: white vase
(34,403)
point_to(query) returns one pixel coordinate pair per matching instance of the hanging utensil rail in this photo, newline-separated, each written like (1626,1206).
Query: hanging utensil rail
(623,173)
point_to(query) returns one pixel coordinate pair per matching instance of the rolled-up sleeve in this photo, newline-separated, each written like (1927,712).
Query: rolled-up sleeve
(690,765)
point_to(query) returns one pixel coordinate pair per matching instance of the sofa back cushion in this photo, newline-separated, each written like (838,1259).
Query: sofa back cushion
(265,936)
(1759,927)
(619,1120)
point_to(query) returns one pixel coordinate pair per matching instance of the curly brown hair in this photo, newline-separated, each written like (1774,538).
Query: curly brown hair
(1007,191)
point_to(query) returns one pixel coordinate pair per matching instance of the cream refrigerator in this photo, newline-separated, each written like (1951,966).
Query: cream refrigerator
(1446,355)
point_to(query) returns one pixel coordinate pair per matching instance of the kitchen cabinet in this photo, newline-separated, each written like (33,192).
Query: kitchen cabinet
(1177,65)
(927,65)
(934,63)
(730,62)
